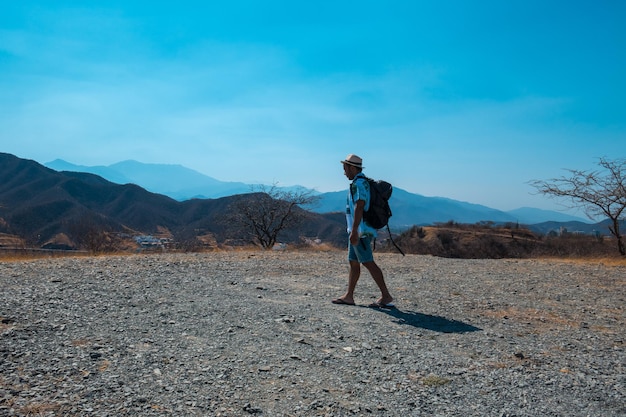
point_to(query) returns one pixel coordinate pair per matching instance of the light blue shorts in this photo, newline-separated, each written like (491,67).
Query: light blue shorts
(362,252)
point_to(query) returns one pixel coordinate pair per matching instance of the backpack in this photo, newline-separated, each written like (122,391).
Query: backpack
(378,213)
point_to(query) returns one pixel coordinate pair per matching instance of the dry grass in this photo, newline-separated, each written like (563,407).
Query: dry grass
(587,260)
(80,342)
(31,409)
(484,241)
(456,241)
(16,255)
(38,409)
(104,365)
(6,324)
(433,380)
(540,320)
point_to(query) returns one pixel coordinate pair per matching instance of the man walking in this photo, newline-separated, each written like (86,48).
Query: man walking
(361,235)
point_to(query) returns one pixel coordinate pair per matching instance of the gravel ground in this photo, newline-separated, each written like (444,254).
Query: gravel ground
(254,333)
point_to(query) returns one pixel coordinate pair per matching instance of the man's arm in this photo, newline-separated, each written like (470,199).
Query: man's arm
(358,216)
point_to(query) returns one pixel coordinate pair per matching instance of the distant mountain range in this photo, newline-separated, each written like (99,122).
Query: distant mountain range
(40,204)
(174,181)
(181,183)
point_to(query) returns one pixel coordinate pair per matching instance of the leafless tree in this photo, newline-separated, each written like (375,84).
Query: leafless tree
(271,211)
(598,193)
(91,232)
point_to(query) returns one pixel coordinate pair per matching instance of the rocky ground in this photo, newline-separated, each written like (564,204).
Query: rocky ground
(254,333)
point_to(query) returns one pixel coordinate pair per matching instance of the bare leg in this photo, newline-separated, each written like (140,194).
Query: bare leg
(379,279)
(353,278)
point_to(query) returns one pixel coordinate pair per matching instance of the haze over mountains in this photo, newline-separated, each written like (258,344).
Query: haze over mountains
(56,209)
(181,183)
(41,205)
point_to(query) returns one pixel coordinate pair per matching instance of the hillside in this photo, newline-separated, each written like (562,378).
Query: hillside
(39,204)
(40,207)
(479,241)
(409,209)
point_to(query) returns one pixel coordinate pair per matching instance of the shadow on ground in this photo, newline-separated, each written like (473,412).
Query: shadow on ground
(426,321)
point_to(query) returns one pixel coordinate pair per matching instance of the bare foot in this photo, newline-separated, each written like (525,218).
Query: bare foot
(343,300)
(384,301)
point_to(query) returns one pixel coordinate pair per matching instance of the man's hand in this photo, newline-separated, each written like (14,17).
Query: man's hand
(354,237)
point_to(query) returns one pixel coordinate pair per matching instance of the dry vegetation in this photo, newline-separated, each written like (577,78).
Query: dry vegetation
(11,241)
(449,240)
(488,241)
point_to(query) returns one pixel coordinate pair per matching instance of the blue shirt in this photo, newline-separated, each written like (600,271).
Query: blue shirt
(359,190)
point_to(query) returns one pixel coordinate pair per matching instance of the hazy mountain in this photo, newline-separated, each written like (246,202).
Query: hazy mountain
(529,215)
(100,170)
(39,203)
(414,209)
(175,181)
(409,209)
(601,228)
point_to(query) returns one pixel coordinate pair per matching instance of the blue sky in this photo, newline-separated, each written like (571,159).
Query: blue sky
(468,100)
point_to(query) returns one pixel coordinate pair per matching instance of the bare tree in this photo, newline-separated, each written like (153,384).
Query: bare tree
(92,232)
(598,193)
(271,211)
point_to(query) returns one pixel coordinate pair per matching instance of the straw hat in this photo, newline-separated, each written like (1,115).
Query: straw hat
(353,160)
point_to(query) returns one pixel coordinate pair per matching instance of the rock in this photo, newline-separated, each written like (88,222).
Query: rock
(186,334)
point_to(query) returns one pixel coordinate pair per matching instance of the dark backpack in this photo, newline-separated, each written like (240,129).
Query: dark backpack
(379,212)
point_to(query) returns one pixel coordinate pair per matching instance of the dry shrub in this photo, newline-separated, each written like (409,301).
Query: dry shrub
(576,246)
(490,241)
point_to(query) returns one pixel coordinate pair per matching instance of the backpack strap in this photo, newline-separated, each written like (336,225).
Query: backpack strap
(390,238)
(394,243)
(353,183)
